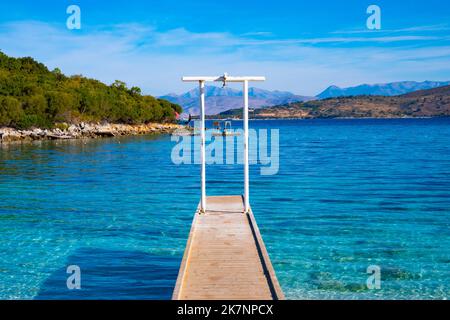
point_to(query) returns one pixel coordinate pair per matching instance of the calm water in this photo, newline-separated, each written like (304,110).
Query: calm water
(349,194)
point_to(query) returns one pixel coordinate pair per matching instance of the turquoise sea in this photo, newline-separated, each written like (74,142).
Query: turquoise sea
(348,194)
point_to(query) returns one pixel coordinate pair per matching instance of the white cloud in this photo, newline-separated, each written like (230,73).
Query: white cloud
(421,29)
(155,60)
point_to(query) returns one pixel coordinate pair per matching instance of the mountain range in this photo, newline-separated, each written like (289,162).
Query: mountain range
(383,89)
(424,103)
(220,99)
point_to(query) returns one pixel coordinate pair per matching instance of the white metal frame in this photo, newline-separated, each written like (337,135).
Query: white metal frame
(225,78)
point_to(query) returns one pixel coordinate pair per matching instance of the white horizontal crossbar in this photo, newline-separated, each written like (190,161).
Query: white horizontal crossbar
(222,78)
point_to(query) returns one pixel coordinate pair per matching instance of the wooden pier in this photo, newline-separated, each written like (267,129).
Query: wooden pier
(225,257)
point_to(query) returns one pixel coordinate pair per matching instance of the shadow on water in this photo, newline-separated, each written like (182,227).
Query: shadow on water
(113,274)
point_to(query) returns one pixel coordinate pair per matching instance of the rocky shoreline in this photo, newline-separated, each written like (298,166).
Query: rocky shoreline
(84,130)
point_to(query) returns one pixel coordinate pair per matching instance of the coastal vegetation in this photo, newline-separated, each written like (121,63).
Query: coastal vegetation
(33,96)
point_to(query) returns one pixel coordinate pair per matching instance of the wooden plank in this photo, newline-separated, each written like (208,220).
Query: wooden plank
(225,257)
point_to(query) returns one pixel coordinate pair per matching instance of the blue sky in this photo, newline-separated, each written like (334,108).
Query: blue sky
(300,46)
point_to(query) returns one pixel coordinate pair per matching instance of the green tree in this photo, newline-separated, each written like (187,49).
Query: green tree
(119,85)
(10,111)
(136,91)
(31,95)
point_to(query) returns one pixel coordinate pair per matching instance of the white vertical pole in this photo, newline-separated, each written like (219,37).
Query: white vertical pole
(246,173)
(202,147)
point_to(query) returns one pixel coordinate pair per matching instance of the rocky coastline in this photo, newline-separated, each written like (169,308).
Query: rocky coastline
(84,130)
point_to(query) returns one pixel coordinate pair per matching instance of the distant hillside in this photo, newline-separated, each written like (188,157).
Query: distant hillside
(387,89)
(33,96)
(220,99)
(425,103)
